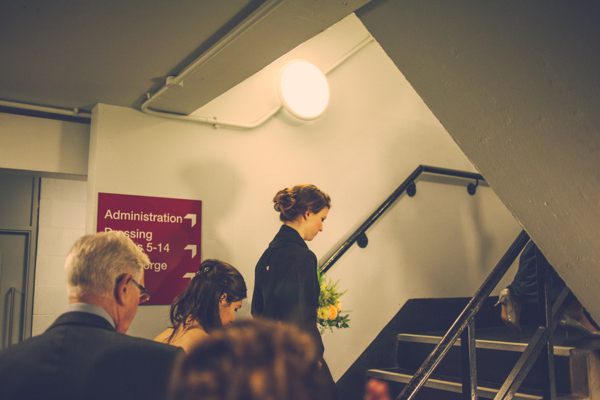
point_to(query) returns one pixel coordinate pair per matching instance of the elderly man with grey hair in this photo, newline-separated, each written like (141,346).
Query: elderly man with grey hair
(85,353)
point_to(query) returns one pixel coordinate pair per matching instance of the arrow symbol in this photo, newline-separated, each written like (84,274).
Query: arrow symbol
(190,275)
(191,217)
(193,248)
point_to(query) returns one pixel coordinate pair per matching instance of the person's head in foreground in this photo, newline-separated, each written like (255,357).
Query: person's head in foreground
(107,269)
(250,360)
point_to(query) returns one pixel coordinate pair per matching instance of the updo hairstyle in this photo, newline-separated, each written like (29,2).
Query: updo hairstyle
(200,300)
(294,202)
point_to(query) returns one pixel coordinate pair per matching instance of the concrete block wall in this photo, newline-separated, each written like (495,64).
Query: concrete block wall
(61,222)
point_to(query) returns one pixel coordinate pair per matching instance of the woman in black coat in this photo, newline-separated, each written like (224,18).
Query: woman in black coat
(286,287)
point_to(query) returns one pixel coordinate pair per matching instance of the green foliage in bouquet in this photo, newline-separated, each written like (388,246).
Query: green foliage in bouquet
(330,314)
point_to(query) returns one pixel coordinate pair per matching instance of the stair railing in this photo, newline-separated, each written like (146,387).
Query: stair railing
(465,320)
(464,327)
(359,236)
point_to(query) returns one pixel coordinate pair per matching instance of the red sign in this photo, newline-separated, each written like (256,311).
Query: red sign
(167,230)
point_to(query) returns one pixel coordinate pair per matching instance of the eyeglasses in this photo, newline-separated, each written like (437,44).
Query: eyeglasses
(144,293)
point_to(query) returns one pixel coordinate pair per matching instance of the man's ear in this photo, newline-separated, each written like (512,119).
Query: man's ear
(306,214)
(122,287)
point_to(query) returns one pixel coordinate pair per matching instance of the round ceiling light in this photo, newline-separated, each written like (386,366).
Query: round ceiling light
(303,90)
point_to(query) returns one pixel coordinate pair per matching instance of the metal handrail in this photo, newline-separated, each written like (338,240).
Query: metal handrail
(464,326)
(390,201)
(464,319)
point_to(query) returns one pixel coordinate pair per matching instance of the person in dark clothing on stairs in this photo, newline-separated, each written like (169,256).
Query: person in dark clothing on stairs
(523,290)
(285,282)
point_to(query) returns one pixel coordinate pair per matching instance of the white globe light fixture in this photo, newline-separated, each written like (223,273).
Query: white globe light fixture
(303,90)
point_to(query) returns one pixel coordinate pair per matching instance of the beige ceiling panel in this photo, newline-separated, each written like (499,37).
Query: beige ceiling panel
(291,24)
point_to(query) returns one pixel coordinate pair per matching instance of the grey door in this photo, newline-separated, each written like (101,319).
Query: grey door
(19,199)
(13,267)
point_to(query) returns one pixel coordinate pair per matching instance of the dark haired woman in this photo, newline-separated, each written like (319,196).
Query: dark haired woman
(286,287)
(210,301)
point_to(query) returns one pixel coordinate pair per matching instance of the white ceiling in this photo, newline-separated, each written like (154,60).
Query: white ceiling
(75,54)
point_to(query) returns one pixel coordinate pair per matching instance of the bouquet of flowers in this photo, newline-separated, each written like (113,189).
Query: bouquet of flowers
(330,313)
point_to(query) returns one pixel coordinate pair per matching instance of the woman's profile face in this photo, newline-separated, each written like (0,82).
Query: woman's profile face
(227,311)
(313,223)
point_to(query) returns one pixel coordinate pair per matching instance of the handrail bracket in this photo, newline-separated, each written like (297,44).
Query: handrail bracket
(472,187)
(362,241)
(411,190)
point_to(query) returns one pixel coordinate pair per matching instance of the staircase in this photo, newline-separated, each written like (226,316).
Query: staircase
(577,363)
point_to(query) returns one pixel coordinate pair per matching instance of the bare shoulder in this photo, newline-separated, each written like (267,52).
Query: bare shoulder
(185,339)
(190,338)
(164,335)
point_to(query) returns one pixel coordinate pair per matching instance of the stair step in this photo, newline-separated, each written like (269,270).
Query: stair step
(481,343)
(497,353)
(483,391)
(445,385)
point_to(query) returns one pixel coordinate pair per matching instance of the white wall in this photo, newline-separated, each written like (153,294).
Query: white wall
(376,131)
(61,222)
(43,145)
(50,148)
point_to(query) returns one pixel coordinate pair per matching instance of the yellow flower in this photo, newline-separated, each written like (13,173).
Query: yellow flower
(333,312)
(322,313)
(323,287)
(338,304)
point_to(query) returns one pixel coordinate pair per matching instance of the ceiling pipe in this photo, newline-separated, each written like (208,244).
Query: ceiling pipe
(173,81)
(74,112)
(349,54)
(216,122)
(252,19)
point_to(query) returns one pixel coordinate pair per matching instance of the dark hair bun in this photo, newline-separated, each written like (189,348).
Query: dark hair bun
(294,202)
(284,201)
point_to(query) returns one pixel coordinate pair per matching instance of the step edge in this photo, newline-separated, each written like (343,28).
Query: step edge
(441,384)
(481,343)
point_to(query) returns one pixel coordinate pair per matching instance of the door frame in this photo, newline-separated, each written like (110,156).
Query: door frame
(31,236)
(29,289)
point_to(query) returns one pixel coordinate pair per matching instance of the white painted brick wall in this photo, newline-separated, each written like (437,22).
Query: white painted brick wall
(62,221)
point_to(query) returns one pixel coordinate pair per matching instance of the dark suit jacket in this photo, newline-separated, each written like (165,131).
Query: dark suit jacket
(82,357)
(286,286)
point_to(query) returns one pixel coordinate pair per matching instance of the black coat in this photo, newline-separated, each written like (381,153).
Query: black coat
(81,356)
(286,287)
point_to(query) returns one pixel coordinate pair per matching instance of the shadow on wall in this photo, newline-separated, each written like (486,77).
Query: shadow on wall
(441,234)
(471,212)
(218,186)
(433,240)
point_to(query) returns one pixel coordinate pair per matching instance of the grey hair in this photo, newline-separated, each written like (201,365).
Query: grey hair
(96,261)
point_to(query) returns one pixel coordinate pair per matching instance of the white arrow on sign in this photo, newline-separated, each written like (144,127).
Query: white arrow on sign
(193,248)
(191,217)
(190,275)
